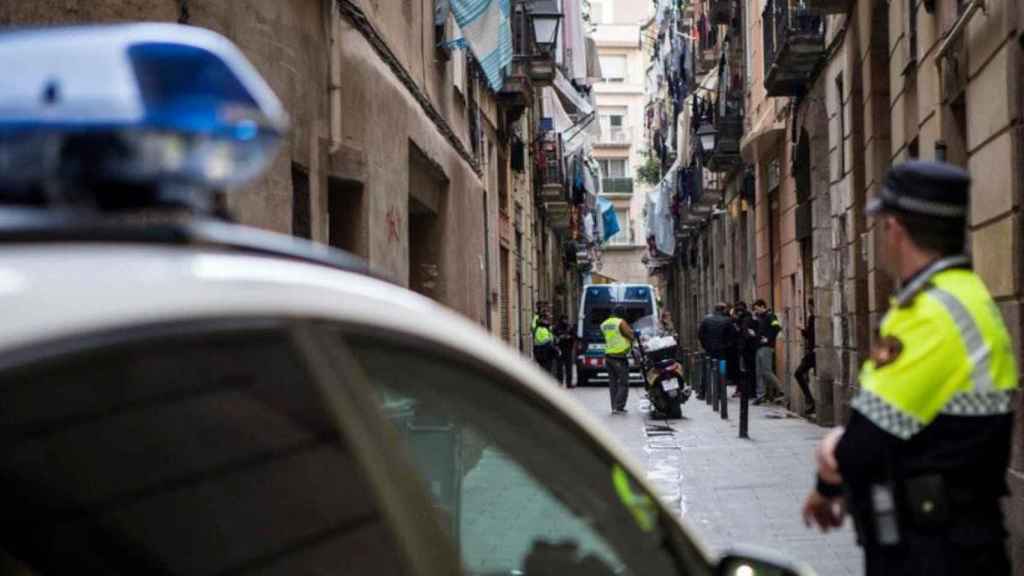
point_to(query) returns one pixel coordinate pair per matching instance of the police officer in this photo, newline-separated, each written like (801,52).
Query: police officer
(618,342)
(544,351)
(921,465)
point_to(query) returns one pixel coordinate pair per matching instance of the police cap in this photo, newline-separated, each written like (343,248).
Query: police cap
(923,188)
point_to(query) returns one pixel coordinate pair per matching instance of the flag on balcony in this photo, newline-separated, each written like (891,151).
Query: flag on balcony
(609,219)
(488,32)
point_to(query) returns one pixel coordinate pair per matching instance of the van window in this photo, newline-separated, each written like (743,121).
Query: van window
(599,302)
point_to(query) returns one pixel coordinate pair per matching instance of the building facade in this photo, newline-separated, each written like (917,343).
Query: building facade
(401,151)
(619,150)
(834,93)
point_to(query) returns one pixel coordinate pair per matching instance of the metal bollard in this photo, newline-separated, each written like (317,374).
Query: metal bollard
(723,392)
(744,406)
(697,372)
(713,364)
(709,392)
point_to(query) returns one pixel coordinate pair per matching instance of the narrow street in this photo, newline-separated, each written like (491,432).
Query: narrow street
(733,492)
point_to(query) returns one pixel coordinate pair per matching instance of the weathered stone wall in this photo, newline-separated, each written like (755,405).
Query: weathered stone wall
(382,123)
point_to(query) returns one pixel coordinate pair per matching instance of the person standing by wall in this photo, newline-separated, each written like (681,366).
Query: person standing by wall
(808,362)
(618,342)
(745,344)
(768,328)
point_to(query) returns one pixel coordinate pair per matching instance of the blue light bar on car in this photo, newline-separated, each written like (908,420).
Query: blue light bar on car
(169,103)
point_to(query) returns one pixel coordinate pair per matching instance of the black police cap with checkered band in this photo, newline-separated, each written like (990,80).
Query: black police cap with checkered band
(923,188)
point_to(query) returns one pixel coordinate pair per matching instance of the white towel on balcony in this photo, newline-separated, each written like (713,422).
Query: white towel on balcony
(486,29)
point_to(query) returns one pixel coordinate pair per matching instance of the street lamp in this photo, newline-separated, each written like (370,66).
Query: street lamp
(545,18)
(707,134)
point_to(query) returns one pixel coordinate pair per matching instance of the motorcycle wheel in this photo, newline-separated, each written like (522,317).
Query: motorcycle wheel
(675,408)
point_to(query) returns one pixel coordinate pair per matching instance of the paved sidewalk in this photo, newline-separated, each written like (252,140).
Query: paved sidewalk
(733,491)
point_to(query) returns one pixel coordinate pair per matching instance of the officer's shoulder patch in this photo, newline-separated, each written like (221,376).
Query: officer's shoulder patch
(886,350)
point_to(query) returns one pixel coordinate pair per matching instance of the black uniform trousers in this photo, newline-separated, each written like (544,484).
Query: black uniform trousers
(966,549)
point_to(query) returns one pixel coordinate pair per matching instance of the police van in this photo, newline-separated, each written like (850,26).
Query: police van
(596,304)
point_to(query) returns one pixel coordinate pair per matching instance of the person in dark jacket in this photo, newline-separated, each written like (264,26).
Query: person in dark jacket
(716,335)
(768,328)
(565,340)
(808,362)
(745,345)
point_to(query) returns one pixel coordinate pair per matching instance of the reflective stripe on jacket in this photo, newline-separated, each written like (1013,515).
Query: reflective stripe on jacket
(615,344)
(941,350)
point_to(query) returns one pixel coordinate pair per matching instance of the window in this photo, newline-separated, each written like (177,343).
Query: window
(508,496)
(203,452)
(458,60)
(613,125)
(613,68)
(622,237)
(614,167)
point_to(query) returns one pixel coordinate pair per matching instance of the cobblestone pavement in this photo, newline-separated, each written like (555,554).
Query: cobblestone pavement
(731,491)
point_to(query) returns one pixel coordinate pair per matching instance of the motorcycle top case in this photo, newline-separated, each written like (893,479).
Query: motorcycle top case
(660,353)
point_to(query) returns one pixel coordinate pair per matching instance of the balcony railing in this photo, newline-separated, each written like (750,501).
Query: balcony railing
(550,174)
(729,131)
(794,46)
(617,185)
(615,136)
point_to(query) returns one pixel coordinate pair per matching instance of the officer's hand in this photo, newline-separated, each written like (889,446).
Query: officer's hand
(822,512)
(828,468)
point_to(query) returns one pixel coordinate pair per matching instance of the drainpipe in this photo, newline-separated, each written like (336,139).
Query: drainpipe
(334,87)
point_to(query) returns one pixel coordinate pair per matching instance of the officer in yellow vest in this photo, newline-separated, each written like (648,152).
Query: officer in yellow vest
(544,350)
(618,341)
(921,464)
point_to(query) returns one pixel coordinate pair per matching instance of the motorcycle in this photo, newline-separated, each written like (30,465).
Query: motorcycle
(655,353)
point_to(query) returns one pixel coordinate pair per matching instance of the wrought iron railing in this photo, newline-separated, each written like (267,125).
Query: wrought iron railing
(782,20)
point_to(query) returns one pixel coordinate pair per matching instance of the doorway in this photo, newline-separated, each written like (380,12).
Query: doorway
(301,221)
(424,251)
(426,229)
(346,217)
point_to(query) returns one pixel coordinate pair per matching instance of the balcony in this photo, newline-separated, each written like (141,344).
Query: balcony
(617,185)
(550,178)
(794,46)
(729,127)
(617,136)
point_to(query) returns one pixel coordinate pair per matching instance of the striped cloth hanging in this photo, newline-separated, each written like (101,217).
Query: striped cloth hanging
(487,30)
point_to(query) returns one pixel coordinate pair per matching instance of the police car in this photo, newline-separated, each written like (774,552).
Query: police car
(180,395)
